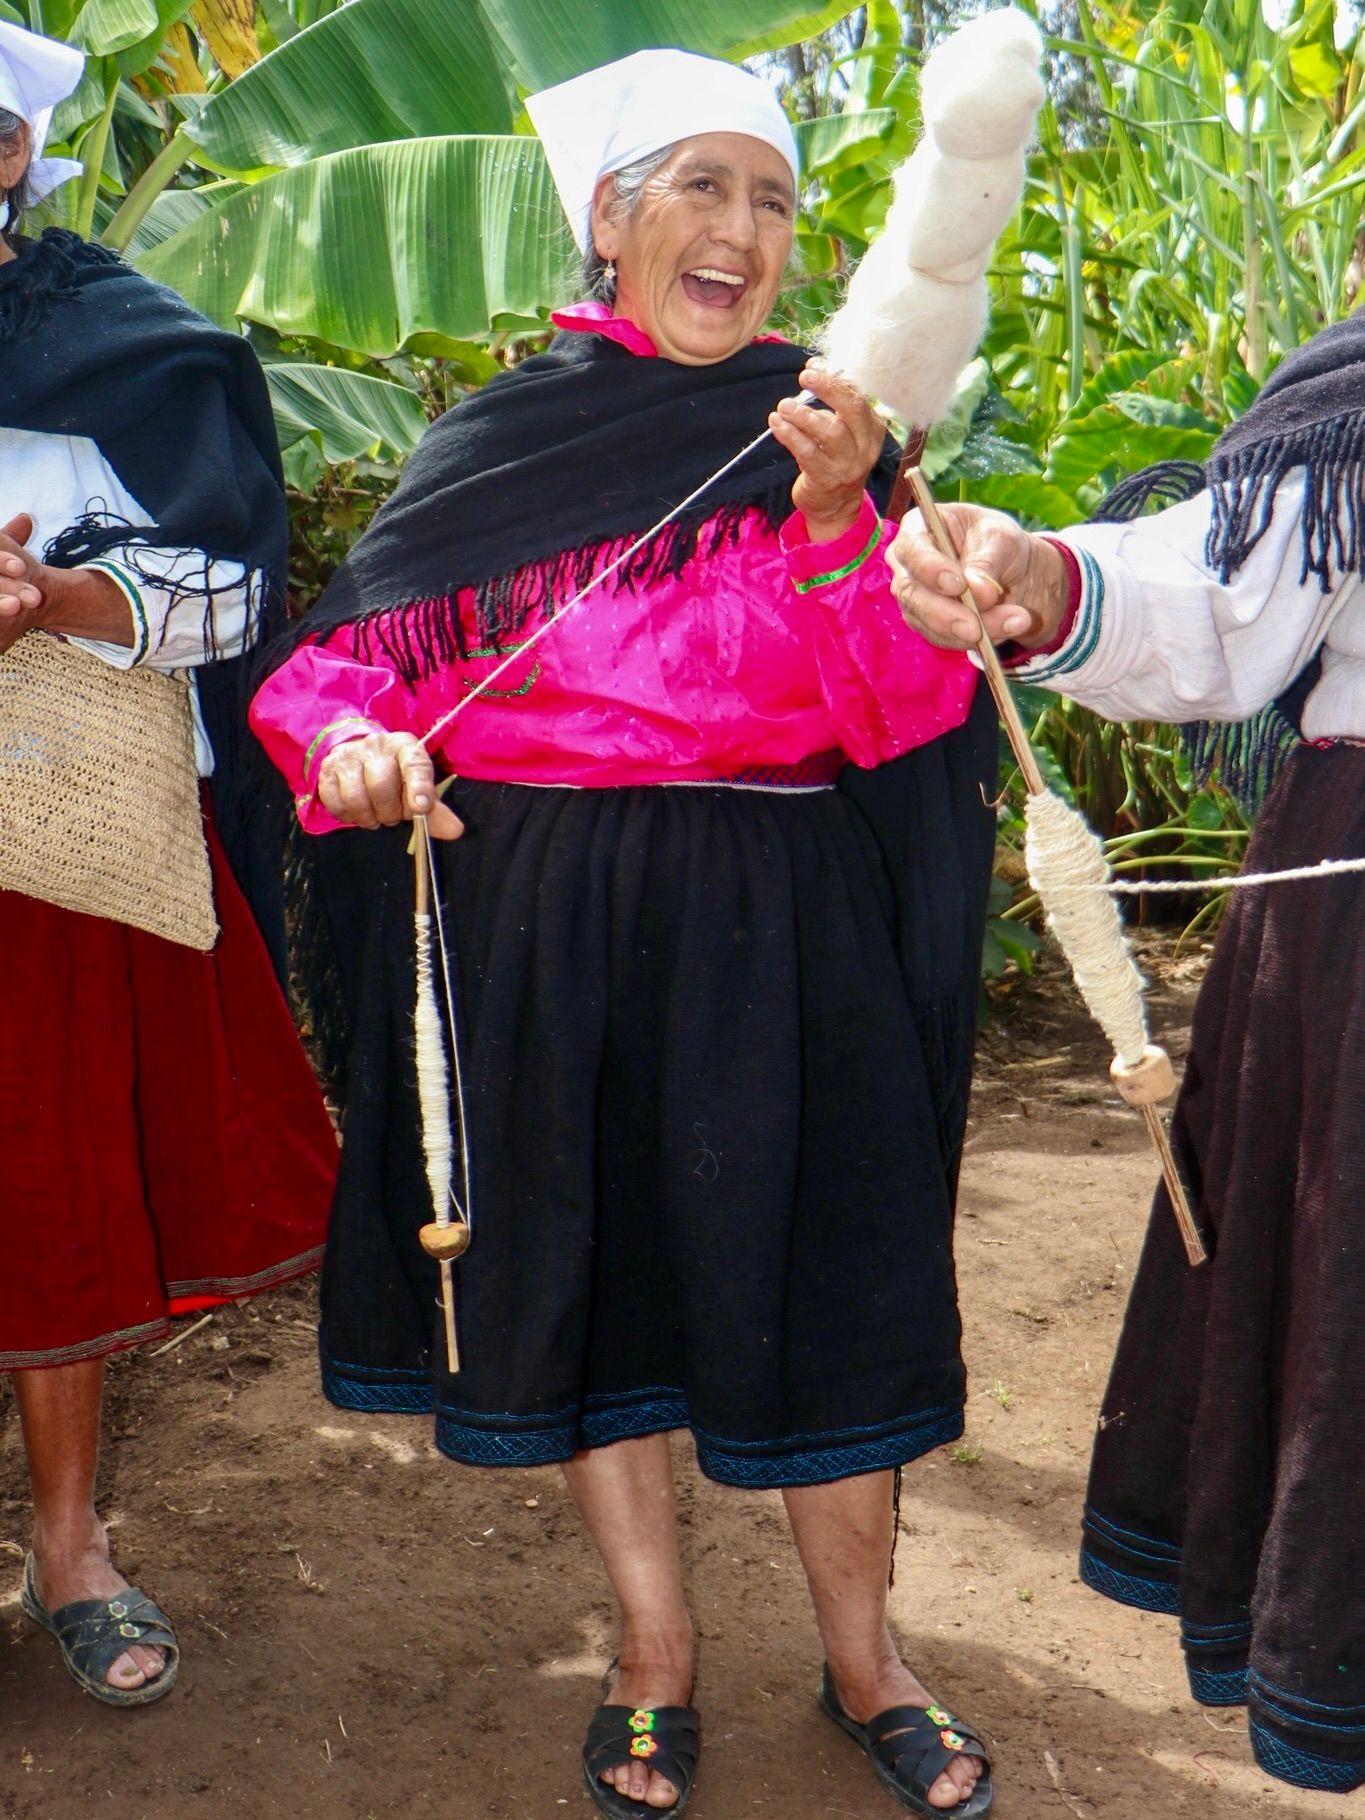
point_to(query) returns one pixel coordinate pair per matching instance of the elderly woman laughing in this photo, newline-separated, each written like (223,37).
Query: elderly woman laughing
(716,1009)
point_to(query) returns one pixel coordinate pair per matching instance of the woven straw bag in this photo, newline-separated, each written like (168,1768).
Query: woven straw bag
(99,797)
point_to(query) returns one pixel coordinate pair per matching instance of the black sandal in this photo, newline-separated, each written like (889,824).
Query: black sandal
(910,1747)
(93,1633)
(667,1738)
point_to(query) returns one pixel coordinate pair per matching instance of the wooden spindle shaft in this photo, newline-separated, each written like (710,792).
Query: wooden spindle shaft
(1006,706)
(421,859)
(1175,1188)
(448,1310)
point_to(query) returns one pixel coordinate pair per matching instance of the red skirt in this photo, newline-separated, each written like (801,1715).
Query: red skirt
(163,1144)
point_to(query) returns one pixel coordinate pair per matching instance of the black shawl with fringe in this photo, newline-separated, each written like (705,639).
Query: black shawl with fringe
(1310,414)
(525,490)
(180,411)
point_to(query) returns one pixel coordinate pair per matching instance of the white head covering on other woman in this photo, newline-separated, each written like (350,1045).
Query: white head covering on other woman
(35,74)
(616,115)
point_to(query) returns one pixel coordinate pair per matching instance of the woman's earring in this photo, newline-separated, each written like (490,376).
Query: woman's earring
(4,215)
(609,275)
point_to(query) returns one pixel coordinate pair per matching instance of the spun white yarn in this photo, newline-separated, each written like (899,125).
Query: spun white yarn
(1242,881)
(433,1080)
(1068,869)
(918,302)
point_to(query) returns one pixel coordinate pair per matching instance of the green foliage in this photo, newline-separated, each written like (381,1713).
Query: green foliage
(384,196)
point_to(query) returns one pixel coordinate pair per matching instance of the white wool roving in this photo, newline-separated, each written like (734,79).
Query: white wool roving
(917,304)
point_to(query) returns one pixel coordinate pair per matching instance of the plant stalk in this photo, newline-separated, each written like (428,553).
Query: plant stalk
(92,153)
(132,212)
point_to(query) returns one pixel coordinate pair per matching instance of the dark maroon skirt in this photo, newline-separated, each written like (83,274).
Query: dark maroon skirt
(163,1144)
(1228,1482)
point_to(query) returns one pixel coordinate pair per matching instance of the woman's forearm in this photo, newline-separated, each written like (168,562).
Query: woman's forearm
(84,603)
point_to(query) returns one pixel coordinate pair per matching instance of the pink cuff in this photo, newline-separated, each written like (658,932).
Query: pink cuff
(820,565)
(1012,655)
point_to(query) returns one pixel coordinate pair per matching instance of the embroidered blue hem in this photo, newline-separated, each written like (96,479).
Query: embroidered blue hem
(1129,1589)
(746,1465)
(1305,1769)
(507,1439)
(382,1393)
(1218,1686)
(1232,1682)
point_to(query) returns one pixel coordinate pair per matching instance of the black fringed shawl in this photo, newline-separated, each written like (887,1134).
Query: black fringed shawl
(527,489)
(180,411)
(1310,414)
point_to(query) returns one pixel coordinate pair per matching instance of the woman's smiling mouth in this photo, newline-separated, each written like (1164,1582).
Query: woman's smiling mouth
(718,290)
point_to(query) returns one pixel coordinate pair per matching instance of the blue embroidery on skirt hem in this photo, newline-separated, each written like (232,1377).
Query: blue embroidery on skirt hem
(1304,1768)
(1218,1686)
(380,1398)
(505,1439)
(1239,1684)
(818,1466)
(1129,1589)
(550,1443)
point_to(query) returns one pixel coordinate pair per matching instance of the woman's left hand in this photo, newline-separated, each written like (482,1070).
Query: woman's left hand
(21,596)
(835,450)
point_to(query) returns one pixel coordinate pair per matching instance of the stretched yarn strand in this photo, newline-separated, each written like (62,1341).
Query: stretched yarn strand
(464,1208)
(1243,881)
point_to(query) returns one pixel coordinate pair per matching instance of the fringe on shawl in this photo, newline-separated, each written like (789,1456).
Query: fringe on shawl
(1247,756)
(1165,483)
(44,274)
(421,637)
(101,533)
(1243,485)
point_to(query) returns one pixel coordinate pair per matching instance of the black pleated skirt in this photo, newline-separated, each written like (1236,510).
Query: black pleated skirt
(715,1105)
(1228,1482)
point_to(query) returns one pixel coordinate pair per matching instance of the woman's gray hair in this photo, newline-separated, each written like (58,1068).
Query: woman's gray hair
(17,196)
(629,185)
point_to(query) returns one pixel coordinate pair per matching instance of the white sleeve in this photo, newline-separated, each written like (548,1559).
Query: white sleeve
(1159,637)
(186,610)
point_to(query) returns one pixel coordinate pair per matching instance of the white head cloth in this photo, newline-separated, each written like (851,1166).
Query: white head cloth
(614,116)
(35,74)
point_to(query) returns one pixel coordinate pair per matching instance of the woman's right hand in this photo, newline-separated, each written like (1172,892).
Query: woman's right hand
(382,779)
(1019,581)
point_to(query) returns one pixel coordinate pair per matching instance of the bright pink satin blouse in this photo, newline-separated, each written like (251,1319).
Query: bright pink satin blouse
(770,651)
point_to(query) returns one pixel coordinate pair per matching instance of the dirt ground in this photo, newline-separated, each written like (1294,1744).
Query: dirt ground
(370,1631)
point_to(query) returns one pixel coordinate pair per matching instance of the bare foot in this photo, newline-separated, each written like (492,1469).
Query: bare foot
(868,1688)
(70,1568)
(657,1672)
